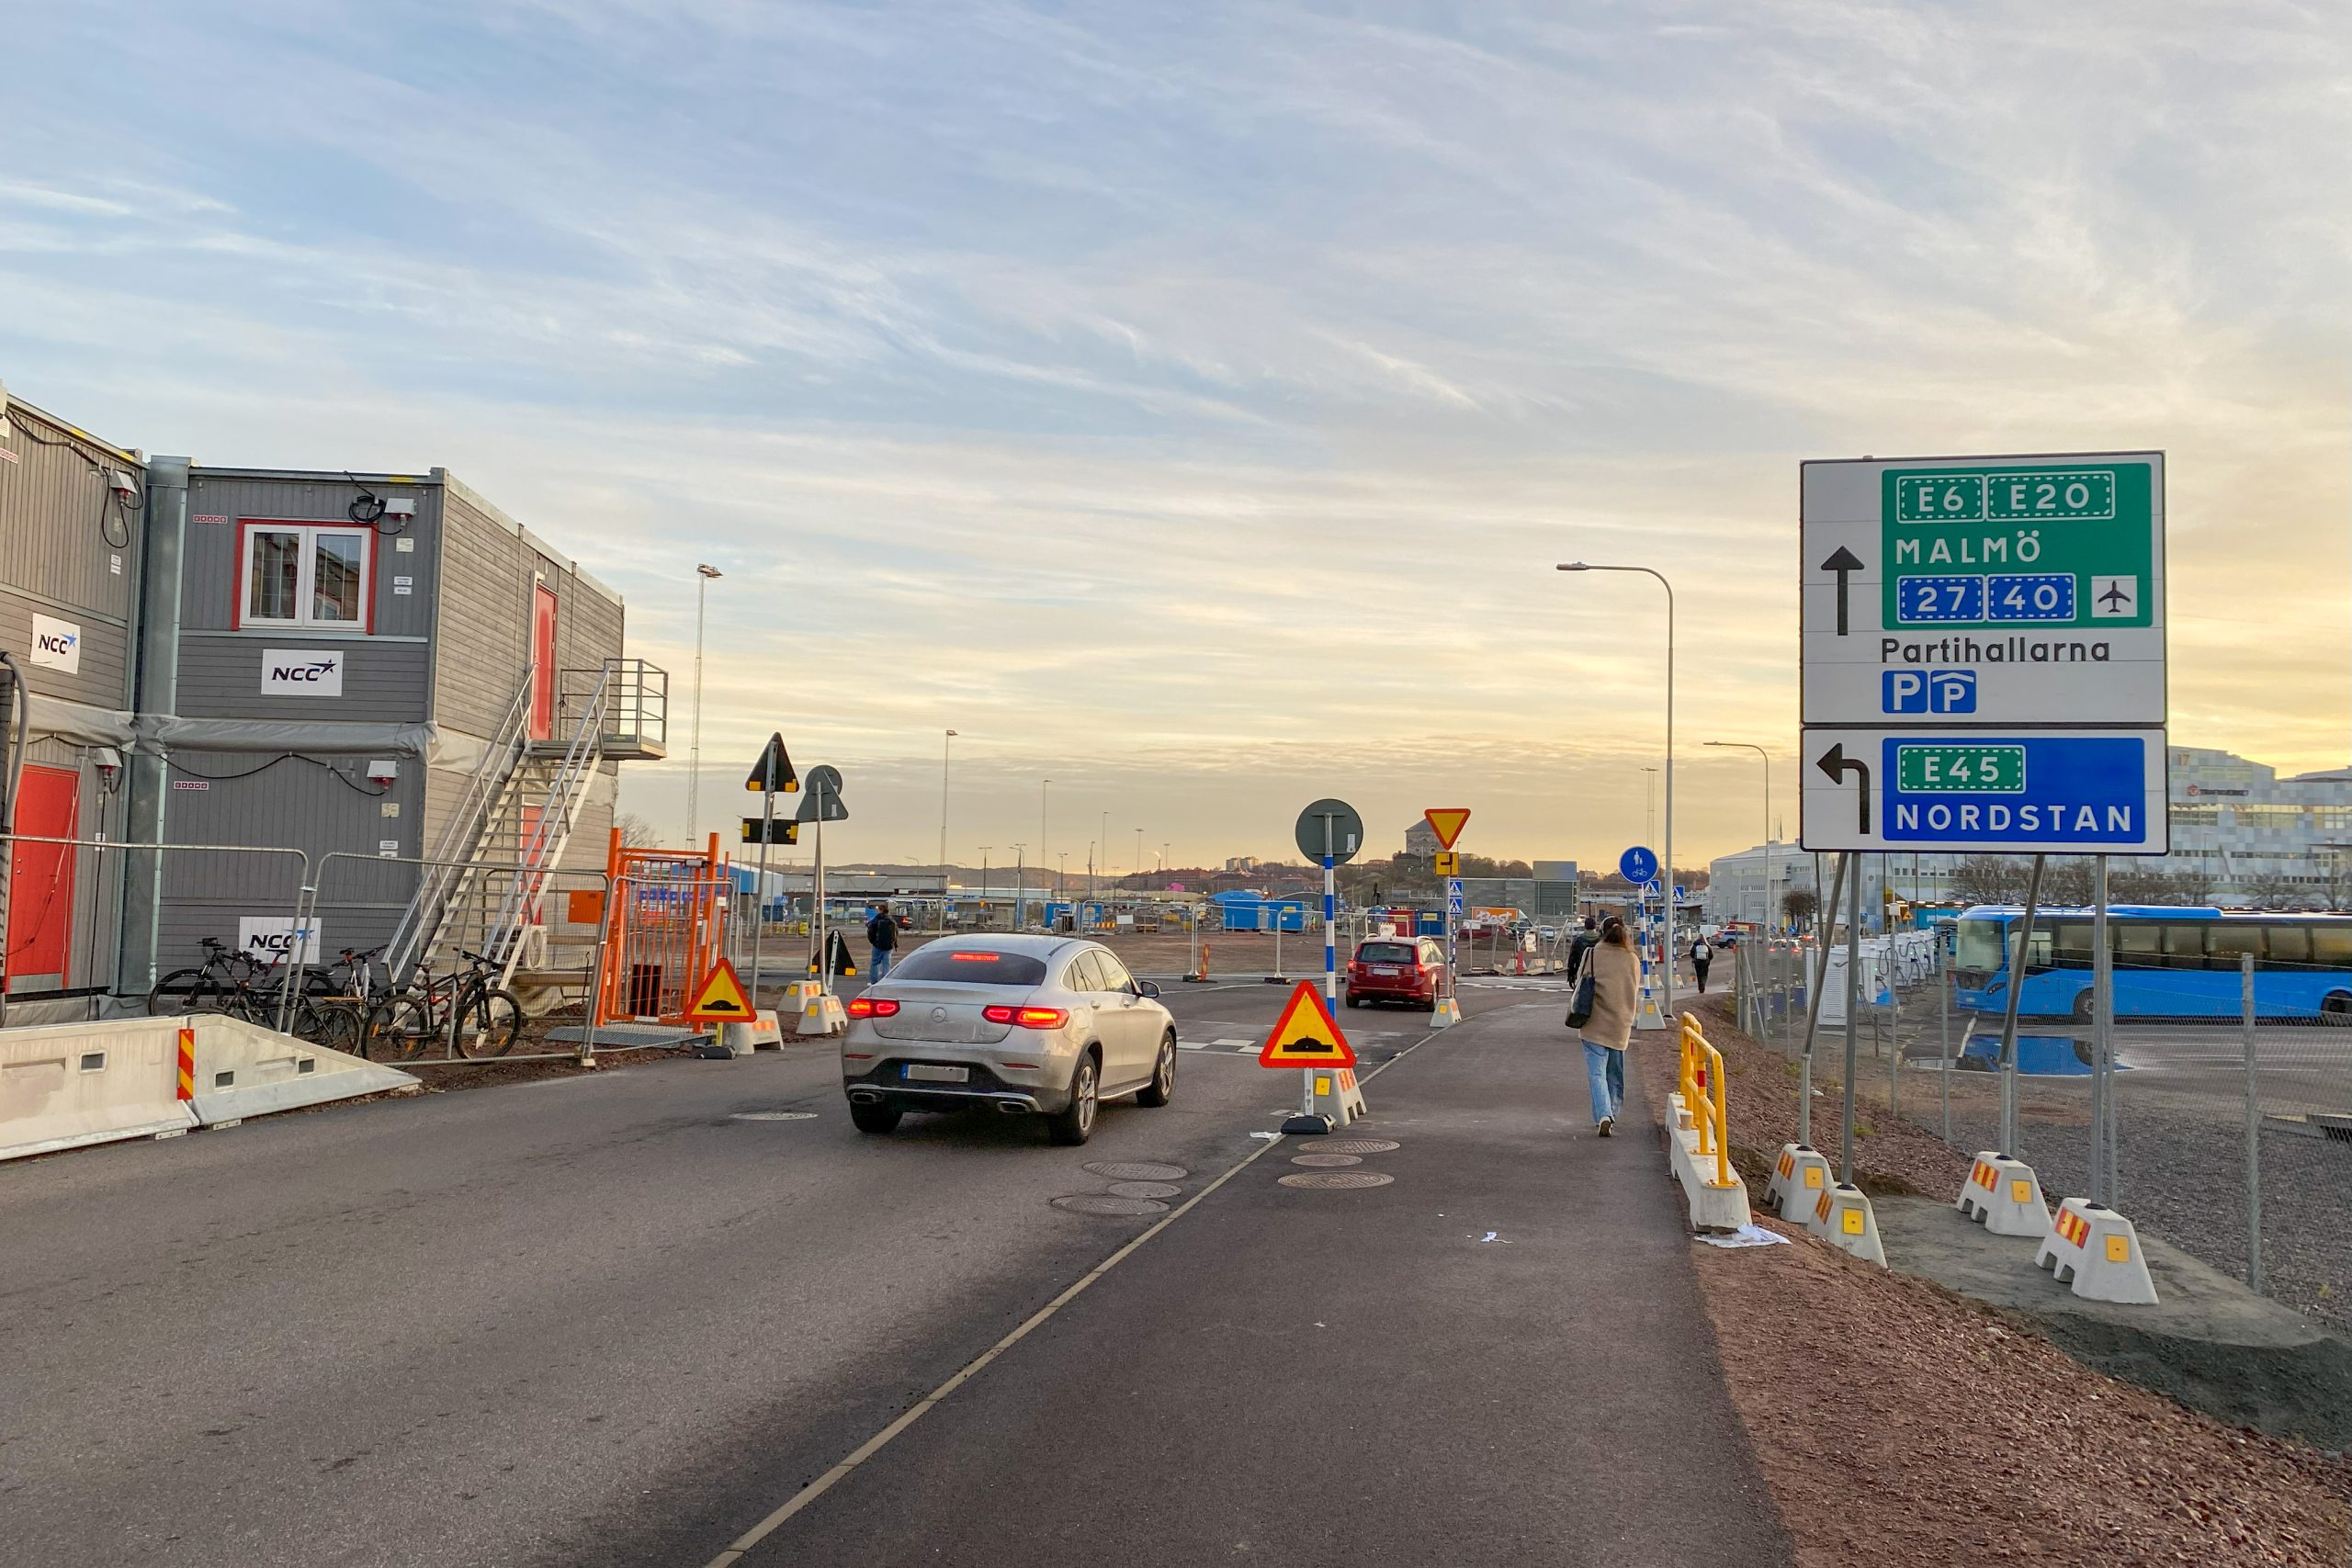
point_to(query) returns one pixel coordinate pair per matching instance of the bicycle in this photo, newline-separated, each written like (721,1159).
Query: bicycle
(341,995)
(471,1017)
(207,987)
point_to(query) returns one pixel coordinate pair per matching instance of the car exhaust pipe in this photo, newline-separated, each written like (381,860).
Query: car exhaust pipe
(1012,1107)
(863,1097)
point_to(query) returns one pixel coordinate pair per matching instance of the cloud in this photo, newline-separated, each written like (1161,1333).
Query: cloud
(1197,403)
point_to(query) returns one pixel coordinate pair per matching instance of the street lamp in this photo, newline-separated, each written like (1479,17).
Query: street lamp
(1138,855)
(943,744)
(1751,746)
(693,744)
(1666,869)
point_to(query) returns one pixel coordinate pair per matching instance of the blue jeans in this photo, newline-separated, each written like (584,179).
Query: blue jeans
(1604,1072)
(880,966)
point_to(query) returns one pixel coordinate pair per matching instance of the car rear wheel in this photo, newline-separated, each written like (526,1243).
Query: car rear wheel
(1355,1001)
(1162,1086)
(1075,1123)
(875,1119)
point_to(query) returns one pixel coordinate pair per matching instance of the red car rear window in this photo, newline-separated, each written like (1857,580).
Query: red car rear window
(1386,952)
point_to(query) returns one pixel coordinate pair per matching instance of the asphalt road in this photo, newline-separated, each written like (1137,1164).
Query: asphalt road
(618,1319)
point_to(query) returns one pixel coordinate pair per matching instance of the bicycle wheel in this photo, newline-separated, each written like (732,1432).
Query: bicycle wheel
(184,990)
(397,1030)
(341,1027)
(489,1022)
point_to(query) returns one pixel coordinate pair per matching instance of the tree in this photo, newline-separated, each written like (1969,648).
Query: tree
(2273,890)
(2070,881)
(1797,904)
(2191,884)
(1989,879)
(637,833)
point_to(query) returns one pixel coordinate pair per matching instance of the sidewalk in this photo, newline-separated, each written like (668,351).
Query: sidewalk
(1352,1377)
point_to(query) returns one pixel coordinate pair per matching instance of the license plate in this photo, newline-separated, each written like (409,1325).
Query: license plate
(1385,969)
(929,1074)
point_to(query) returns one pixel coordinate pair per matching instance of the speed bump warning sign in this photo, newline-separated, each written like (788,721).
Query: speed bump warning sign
(722,999)
(1308,1037)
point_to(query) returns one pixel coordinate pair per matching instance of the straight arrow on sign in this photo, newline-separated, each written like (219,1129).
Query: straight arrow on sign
(1845,563)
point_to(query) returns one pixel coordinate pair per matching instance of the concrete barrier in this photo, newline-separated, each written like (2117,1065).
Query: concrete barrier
(1699,1135)
(2005,1196)
(66,1085)
(2097,1250)
(1799,1179)
(1843,1217)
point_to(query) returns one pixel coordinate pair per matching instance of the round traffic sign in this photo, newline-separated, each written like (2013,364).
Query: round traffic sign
(1332,828)
(1638,865)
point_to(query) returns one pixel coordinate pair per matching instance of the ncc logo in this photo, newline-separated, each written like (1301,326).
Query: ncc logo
(302,672)
(1930,691)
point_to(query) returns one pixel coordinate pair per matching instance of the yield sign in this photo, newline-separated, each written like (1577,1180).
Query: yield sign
(1447,822)
(722,999)
(1308,1037)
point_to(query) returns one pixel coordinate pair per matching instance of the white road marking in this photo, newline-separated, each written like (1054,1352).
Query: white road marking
(874,1444)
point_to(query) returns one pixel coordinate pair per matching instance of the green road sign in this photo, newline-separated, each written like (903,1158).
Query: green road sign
(2053,546)
(1960,769)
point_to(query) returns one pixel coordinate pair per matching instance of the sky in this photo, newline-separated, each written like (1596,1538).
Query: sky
(1189,403)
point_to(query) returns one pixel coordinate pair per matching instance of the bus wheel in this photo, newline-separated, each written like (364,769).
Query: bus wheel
(2083,1007)
(2336,1009)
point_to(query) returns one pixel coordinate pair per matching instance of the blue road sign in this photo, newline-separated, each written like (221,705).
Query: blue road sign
(2068,791)
(1453,895)
(1638,865)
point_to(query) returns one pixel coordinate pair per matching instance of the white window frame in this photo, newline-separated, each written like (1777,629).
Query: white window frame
(306,574)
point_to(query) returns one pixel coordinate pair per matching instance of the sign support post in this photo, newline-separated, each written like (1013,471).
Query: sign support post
(2020,955)
(1853,1026)
(1329,831)
(2102,1043)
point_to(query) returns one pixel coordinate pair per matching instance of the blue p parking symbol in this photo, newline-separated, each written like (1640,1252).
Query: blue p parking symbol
(1928,691)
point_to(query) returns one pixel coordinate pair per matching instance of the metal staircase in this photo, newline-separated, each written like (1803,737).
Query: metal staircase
(506,837)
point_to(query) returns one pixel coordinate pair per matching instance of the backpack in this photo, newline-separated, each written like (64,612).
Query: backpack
(1700,952)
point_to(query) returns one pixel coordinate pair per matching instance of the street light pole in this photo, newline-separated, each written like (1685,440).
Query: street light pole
(1666,870)
(946,742)
(694,745)
(1751,746)
(1042,853)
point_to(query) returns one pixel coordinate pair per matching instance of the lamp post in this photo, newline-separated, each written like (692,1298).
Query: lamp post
(946,742)
(694,743)
(1020,885)
(1666,870)
(1043,852)
(1139,856)
(1751,746)
(984,882)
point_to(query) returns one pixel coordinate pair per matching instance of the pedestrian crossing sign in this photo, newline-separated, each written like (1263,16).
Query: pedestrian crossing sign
(1308,1035)
(722,999)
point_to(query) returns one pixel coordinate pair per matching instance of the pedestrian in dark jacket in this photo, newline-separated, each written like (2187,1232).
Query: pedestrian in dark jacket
(1580,948)
(1702,955)
(882,936)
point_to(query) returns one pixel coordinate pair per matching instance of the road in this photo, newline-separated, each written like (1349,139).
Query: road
(620,1318)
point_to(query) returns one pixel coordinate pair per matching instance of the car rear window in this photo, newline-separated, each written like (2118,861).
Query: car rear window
(1387,953)
(971,966)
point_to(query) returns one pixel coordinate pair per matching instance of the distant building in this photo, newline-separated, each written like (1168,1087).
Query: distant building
(1243,863)
(1420,842)
(1556,871)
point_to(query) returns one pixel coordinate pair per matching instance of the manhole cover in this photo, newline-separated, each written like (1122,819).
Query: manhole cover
(774,1116)
(1327,1161)
(1143,1190)
(1138,1170)
(1355,1146)
(1326,1178)
(1102,1203)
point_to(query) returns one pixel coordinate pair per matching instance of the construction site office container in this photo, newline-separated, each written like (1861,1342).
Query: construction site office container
(70,567)
(351,651)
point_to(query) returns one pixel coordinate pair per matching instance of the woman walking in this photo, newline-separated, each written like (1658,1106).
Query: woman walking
(1702,955)
(1616,997)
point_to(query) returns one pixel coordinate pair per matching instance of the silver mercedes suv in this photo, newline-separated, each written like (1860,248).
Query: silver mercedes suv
(1030,1025)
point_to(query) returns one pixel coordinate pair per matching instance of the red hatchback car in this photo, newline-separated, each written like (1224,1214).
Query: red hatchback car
(1395,969)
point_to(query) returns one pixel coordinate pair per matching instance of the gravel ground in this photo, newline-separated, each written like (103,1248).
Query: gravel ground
(1985,1443)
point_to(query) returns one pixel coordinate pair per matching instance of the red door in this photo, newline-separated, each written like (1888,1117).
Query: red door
(41,880)
(542,661)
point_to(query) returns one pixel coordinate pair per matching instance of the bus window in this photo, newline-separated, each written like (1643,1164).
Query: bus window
(2290,946)
(2332,946)
(2139,946)
(1976,946)
(2227,940)
(2184,947)
(2070,943)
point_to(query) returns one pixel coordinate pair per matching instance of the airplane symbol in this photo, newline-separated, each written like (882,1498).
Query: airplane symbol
(2112,597)
(2116,597)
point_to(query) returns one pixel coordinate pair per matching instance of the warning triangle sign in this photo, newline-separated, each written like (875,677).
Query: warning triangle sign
(722,999)
(773,773)
(1447,822)
(1308,1037)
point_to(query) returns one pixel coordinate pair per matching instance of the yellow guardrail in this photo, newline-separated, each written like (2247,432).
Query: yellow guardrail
(1703,1096)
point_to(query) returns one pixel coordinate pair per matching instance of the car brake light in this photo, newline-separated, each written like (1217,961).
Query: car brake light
(872,1007)
(998,1015)
(1027,1018)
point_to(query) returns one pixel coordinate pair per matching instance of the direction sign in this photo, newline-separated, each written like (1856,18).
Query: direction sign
(1638,865)
(2078,791)
(1943,593)
(1329,827)
(1448,864)
(1446,822)
(773,773)
(1306,1035)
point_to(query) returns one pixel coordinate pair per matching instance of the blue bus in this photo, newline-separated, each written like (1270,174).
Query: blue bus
(2169,963)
